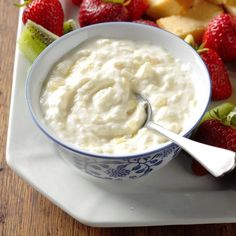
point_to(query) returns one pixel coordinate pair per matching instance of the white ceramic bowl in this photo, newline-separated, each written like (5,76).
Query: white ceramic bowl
(117,167)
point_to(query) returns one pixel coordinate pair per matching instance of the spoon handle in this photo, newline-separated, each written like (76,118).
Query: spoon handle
(217,161)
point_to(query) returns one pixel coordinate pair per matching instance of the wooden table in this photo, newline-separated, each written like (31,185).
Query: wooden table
(25,212)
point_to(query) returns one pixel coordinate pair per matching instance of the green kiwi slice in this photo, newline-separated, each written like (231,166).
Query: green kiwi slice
(34,39)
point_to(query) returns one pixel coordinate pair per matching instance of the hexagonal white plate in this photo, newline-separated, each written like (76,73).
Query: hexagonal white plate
(172,195)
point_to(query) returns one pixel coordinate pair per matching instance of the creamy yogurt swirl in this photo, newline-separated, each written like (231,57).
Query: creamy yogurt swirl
(89,97)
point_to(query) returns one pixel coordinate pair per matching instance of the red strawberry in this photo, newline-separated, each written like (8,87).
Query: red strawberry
(221,36)
(146,22)
(97,11)
(198,169)
(49,14)
(221,86)
(137,8)
(76,2)
(214,132)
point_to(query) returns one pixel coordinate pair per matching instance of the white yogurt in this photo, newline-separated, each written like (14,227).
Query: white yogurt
(88,99)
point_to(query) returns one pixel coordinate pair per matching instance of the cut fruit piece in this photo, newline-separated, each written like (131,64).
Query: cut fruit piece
(216,1)
(34,39)
(196,2)
(194,21)
(230,2)
(163,8)
(69,26)
(233,2)
(231,9)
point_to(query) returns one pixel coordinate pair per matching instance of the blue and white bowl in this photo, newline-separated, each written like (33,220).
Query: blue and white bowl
(123,166)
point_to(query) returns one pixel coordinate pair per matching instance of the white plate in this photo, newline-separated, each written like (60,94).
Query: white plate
(172,195)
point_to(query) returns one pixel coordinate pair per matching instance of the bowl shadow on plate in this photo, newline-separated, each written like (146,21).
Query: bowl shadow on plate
(228,181)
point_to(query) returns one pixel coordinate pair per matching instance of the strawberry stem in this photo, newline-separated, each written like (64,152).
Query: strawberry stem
(202,46)
(202,50)
(190,40)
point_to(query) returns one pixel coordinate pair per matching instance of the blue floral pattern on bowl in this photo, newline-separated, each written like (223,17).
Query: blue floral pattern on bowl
(120,168)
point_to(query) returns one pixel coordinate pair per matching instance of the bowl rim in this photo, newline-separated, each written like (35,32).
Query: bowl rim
(77,150)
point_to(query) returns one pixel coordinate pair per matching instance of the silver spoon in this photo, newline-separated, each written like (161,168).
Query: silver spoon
(217,161)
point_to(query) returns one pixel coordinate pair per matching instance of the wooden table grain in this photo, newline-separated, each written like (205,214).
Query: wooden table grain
(25,212)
